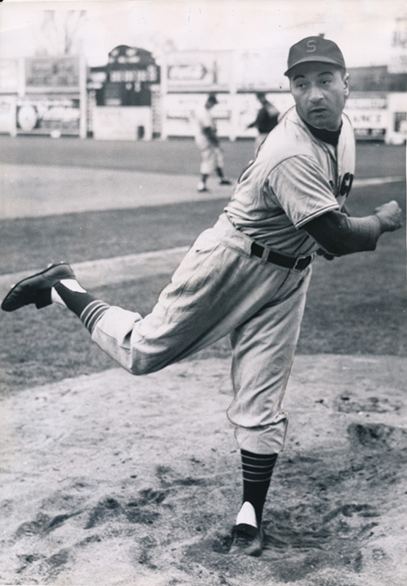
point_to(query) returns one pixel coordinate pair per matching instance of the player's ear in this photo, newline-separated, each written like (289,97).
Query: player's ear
(346,84)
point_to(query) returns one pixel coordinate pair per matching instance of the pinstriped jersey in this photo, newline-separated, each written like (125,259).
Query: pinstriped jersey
(294,178)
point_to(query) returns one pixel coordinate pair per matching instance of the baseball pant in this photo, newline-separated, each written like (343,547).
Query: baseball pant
(219,289)
(211,158)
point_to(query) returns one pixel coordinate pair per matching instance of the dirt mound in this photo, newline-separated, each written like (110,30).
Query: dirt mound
(378,436)
(123,480)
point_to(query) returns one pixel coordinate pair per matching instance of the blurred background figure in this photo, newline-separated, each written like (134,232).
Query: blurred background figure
(266,119)
(208,144)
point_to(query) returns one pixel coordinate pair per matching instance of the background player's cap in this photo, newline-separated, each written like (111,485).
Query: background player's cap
(313,49)
(212,98)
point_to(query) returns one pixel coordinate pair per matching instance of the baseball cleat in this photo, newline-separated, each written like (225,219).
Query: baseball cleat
(225,181)
(36,288)
(247,540)
(201,187)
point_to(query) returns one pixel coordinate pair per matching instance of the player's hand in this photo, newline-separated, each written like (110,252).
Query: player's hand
(390,216)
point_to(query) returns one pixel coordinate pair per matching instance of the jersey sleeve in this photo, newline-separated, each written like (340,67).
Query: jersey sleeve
(301,189)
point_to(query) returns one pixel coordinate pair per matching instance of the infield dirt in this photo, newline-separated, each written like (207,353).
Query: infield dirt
(111,479)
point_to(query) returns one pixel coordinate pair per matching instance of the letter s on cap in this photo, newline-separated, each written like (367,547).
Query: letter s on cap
(311,46)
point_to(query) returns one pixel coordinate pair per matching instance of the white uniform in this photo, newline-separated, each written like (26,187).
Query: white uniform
(294,179)
(211,155)
(220,288)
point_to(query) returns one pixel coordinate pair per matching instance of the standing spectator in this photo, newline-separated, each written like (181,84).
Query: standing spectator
(266,119)
(208,144)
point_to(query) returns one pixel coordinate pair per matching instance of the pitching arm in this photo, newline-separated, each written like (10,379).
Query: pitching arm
(339,234)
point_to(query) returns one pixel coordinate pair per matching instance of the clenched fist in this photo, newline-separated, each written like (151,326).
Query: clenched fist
(390,216)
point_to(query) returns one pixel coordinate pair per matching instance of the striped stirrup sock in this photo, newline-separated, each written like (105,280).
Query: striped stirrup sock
(92,313)
(86,306)
(257,470)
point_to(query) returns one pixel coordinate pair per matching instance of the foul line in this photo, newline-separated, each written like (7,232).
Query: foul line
(109,271)
(377,181)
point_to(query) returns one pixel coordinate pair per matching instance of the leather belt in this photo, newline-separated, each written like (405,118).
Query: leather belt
(290,262)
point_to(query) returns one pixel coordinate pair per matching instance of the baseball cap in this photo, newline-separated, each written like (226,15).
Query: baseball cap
(313,49)
(213,98)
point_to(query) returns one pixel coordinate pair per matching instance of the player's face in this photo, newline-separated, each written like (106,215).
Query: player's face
(320,92)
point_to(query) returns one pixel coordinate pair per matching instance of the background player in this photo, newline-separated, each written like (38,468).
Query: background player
(248,275)
(266,119)
(208,144)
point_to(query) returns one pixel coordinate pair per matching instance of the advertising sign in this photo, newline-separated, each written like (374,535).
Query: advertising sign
(52,73)
(43,115)
(369,123)
(199,71)
(369,116)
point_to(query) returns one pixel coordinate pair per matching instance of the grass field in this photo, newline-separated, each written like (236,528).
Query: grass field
(356,305)
(174,156)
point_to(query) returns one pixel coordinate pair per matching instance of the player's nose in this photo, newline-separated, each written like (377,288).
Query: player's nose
(315,94)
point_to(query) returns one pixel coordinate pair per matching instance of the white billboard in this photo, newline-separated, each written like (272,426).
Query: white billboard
(199,71)
(369,115)
(55,115)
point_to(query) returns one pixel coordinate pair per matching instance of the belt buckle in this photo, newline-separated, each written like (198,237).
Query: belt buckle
(297,261)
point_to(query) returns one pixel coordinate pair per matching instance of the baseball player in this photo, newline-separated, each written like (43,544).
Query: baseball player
(247,276)
(208,144)
(266,119)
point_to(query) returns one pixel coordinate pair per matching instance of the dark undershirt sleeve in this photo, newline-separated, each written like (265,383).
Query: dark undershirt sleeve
(339,234)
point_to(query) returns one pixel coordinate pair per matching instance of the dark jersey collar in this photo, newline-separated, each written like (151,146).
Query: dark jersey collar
(329,136)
